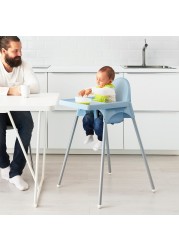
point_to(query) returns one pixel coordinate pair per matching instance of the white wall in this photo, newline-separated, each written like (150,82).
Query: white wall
(100,50)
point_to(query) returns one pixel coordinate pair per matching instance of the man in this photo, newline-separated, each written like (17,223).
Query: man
(13,73)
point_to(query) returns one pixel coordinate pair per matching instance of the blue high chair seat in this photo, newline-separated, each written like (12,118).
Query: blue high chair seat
(114,112)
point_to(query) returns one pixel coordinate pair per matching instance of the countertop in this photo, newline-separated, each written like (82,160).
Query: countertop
(94,69)
(175,69)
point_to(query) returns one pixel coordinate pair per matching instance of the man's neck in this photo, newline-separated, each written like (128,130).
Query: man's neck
(6,66)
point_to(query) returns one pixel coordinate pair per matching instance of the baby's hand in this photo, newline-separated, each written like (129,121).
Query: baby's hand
(82,92)
(88,92)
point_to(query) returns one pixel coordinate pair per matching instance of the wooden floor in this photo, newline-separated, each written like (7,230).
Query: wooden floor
(126,191)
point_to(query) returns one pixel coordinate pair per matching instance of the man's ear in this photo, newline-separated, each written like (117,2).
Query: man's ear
(3,51)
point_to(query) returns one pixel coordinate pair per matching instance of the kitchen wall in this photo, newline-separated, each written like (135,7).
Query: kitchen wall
(100,50)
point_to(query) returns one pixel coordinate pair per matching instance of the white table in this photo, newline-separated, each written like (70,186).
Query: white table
(43,102)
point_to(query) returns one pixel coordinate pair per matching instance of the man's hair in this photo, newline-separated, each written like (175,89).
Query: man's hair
(109,71)
(5,40)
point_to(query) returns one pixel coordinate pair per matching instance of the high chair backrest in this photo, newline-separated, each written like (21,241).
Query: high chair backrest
(123,94)
(122,89)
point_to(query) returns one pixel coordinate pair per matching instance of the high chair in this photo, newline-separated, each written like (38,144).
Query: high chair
(114,112)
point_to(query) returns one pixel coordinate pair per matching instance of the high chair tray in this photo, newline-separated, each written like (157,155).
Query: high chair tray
(93,105)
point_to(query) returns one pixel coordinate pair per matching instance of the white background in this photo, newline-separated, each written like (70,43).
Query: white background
(87,18)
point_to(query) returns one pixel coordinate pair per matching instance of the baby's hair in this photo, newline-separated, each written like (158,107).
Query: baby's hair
(109,71)
(5,40)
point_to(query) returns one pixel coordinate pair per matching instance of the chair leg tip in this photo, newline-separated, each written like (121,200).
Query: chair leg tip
(109,173)
(58,185)
(99,206)
(153,190)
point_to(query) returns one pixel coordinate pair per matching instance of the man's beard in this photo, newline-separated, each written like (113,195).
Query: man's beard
(13,62)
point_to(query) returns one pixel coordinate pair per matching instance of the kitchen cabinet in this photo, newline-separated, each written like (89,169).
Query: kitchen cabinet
(155,99)
(69,84)
(60,128)
(154,92)
(158,130)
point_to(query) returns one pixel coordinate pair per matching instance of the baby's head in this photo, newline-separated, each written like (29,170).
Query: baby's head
(105,76)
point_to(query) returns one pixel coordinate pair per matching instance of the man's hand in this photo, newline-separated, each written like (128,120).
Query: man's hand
(14,91)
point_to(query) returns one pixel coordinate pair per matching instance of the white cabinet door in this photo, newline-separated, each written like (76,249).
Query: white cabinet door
(115,134)
(155,96)
(158,131)
(154,91)
(42,77)
(60,125)
(69,84)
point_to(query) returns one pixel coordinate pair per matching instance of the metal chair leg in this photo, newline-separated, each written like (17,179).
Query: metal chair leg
(143,154)
(67,151)
(108,151)
(102,166)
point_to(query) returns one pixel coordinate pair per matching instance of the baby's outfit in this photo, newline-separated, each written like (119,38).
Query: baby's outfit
(93,124)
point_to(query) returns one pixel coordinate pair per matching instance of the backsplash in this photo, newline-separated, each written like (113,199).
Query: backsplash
(100,50)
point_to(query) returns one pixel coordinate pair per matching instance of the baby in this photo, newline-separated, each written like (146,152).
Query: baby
(103,92)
